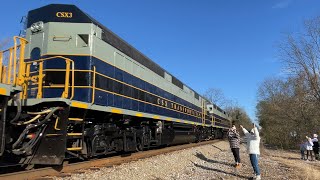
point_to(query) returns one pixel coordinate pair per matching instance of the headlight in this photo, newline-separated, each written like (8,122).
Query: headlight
(33,28)
(36,27)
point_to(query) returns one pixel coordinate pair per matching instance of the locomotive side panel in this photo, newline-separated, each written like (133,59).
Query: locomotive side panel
(113,68)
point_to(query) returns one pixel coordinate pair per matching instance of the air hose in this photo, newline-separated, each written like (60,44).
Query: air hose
(28,146)
(17,101)
(31,126)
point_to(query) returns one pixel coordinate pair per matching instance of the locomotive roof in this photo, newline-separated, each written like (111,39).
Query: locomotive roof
(48,14)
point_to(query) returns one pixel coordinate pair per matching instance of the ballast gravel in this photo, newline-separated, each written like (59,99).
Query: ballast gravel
(214,161)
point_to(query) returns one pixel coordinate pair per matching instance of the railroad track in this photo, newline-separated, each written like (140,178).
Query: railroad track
(96,163)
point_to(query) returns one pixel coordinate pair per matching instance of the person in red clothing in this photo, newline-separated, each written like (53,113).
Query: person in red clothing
(234,140)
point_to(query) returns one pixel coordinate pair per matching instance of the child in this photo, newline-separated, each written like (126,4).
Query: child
(302,149)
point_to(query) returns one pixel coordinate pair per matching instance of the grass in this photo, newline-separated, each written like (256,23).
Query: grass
(309,170)
(305,170)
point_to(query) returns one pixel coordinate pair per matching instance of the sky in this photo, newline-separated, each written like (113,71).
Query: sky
(230,45)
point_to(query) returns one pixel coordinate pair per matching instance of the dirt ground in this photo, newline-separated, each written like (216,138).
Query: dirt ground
(214,161)
(303,169)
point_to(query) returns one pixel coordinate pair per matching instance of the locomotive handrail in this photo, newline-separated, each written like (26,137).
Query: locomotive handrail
(65,93)
(72,81)
(93,84)
(19,45)
(10,65)
(203,116)
(212,120)
(7,72)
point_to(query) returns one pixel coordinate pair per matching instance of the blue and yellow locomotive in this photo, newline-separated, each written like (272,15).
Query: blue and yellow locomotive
(73,89)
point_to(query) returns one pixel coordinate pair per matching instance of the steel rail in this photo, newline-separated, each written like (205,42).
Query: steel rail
(97,163)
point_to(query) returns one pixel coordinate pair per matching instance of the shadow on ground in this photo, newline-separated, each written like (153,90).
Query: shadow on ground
(221,171)
(217,147)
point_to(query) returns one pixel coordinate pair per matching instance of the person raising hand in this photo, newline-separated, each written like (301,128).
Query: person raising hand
(253,148)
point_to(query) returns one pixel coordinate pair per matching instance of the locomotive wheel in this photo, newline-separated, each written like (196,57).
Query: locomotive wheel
(139,145)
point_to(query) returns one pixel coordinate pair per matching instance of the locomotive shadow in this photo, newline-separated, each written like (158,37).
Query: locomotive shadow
(126,154)
(204,158)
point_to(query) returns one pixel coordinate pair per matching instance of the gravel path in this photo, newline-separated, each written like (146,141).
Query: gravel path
(205,162)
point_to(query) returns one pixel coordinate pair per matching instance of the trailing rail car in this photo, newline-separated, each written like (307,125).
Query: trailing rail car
(74,89)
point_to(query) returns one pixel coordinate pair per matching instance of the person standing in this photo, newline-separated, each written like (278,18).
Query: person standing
(253,148)
(234,140)
(315,146)
(309,148)
(302,149)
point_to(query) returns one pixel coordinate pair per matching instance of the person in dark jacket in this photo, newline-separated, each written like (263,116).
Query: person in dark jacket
(234,140)
(302,146)
(315,146)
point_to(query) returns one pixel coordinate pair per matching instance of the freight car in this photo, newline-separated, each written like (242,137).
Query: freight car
(71,88)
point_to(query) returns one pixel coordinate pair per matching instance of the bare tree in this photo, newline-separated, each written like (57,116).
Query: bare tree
(217,97)
(239,116)
(285,111)
(4,43)
(301,54)
(288,108)
(237,113)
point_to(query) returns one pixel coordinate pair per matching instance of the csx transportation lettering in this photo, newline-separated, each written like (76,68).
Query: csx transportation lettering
(64,14)
(162,102)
